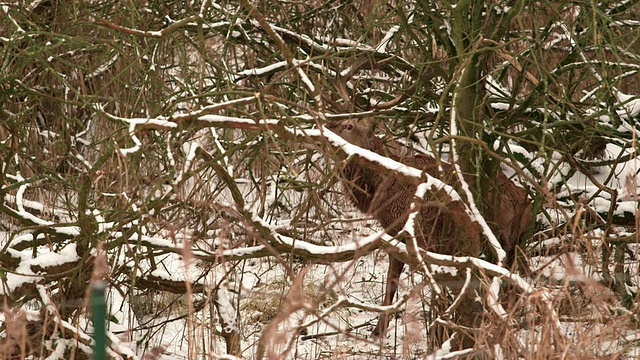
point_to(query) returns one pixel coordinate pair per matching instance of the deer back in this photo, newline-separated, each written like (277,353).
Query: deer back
(443,224)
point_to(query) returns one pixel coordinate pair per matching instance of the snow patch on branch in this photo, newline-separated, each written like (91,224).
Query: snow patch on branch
(313,248)
(226,310)
(382,47)
(24,273)
(260,71)
(386,162)
(230,119)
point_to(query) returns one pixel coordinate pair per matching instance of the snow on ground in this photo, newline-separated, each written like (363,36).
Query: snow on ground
(263,287)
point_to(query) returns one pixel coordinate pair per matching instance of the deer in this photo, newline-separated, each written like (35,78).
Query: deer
(442,225)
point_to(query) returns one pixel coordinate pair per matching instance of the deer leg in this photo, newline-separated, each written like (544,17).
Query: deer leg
(393,278)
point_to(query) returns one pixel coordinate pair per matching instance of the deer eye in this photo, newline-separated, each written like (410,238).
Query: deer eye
(348,127)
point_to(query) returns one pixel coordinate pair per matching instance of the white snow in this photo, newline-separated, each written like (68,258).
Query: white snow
(226,309)
(237,120)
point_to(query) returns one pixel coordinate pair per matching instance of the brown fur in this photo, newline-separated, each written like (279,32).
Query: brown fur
(442,225)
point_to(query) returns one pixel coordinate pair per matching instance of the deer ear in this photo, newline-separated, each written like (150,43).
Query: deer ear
(371,122)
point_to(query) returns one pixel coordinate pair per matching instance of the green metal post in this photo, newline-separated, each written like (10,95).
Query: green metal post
(99,310)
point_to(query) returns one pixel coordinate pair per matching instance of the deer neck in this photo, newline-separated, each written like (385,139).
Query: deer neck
(361,182)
